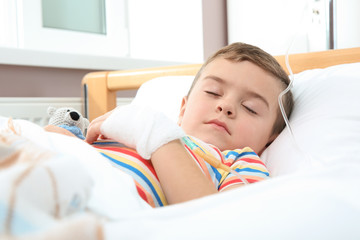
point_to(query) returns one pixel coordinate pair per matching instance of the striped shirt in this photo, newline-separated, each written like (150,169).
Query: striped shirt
(244,161)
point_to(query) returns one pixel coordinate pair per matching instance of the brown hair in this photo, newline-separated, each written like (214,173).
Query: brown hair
(238,52)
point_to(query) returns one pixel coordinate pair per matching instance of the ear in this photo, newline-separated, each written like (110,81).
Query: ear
(182,109)
(51,110)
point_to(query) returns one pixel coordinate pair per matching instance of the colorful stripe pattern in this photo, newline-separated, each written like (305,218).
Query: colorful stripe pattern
(244,161)
(145,178)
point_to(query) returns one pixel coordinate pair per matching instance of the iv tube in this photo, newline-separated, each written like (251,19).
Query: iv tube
(211,159)
(291,76)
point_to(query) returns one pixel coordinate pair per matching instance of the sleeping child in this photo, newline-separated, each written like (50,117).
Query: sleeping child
(229,116)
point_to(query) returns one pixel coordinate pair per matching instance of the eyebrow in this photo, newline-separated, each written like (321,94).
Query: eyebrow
(216,78)
(250,93)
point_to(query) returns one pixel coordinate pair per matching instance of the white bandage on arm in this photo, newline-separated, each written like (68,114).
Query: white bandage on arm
(141,128)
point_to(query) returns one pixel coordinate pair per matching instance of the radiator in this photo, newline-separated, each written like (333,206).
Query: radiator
(35,109)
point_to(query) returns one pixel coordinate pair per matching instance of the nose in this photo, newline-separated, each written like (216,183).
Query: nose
(226,109)
(74,116)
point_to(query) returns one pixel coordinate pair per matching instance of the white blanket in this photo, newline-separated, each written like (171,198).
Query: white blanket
(99,202)
(47,177)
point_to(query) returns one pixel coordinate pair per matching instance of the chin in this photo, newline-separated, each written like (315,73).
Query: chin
(213,140)
(218,144)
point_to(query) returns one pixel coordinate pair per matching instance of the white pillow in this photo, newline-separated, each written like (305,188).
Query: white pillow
(164,94)
(325,120)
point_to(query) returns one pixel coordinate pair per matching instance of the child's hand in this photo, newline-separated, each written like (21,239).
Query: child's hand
(93,131)
(138,127)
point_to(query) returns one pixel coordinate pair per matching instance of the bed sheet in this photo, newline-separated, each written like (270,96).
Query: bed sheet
(321,204)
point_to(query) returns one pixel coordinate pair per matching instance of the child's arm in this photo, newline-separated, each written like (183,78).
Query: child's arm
(181,179)
(56,129)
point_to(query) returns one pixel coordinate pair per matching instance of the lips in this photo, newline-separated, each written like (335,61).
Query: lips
(219,124)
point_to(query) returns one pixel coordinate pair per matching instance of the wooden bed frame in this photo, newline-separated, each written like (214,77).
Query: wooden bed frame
(99,88)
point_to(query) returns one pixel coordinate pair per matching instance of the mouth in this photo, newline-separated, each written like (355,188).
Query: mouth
(219,125)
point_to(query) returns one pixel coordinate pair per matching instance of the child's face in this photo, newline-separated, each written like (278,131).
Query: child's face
(233,105)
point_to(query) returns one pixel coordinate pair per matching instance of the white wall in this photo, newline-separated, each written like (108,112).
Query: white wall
(270,25)
(348,23)
(166,30)
(8,36)
(273,24)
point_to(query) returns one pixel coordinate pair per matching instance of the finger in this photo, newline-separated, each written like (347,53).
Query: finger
(94,128)
(103,137)
(93,132)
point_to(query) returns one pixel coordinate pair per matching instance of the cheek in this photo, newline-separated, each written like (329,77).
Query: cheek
(245,123)
(194,105)
(262,136)
(249,130)
(192,114)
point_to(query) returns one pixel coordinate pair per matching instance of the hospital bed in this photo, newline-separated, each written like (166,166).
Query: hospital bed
(314,191)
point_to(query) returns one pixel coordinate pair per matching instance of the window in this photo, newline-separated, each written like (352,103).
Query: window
(76,15)
(91,27)
(95,34)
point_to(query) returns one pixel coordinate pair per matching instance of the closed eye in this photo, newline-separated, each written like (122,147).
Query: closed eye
(212,93)
(250,110)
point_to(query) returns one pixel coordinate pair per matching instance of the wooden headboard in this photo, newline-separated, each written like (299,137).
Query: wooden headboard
(99,88)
